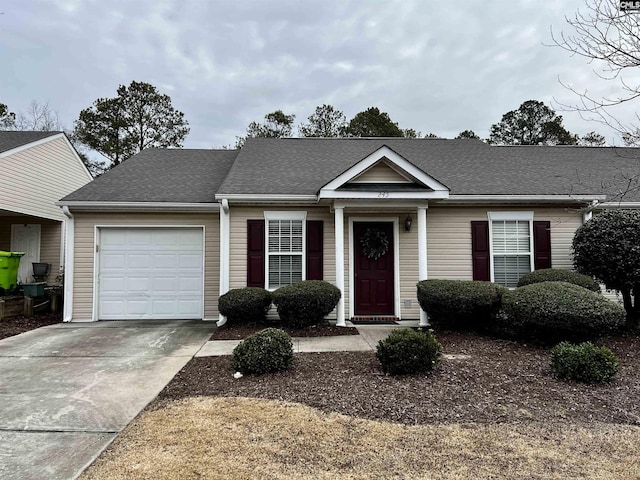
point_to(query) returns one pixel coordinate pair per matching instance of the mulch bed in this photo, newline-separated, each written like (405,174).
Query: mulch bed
(20,324)
(238,332)
(487,381)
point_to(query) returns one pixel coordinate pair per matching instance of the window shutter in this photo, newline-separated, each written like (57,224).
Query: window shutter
(314,250)
(480,250)
(542,244)
(255,253)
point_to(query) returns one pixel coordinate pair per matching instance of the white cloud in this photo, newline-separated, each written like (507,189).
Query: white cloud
(436,67)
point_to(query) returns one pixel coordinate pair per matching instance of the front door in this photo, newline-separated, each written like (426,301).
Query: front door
(374,267)
(26,238)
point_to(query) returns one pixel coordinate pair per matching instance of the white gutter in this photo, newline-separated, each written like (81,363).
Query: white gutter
(523,198)
(266,198)
(129,206)
(614,205)
(224,254)
(67,314)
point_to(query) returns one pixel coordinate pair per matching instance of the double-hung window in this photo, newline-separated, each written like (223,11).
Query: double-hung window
(511,244)
(285,242)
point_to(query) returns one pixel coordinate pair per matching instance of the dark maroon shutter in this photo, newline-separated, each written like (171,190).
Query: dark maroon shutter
(480,250)
(255,253)
(542,244)
(314,250)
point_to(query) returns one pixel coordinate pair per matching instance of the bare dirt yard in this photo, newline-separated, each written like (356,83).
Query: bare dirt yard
(492,410)
(20,324)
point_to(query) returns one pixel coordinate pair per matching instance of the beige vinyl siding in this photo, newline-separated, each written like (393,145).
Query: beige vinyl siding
(449,237)
(448,244)
(50,240)
(380,173)
(238,246)
(35,178)
(85,251)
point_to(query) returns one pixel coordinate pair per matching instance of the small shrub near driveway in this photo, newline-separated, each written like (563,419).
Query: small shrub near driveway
(304,304)
(460,304)
(269,350)
(550,312)
(559,275)
(245,305)
(584,362)
(407,351)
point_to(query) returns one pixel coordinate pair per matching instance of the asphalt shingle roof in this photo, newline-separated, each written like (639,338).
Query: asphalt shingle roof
(12,139)
(302,166)
(161,175)
(466,167)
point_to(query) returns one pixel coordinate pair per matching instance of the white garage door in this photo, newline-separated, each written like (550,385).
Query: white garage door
(150,273)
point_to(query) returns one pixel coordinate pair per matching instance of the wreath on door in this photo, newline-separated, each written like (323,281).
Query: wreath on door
(374,243)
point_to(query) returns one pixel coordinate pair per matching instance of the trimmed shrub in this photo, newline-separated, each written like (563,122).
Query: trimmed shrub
(245,305)
(408,351)
(559,275)
(305,303)
(583,363)
(550,312)
(460,304)
(269,350)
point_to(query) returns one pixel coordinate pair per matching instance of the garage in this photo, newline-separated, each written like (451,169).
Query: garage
(150,273)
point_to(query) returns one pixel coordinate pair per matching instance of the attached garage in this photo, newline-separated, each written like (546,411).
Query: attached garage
(150,273)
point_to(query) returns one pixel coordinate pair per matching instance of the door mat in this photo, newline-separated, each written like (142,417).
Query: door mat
(374,320)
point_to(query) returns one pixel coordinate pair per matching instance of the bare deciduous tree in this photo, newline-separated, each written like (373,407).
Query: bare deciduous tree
(610,37)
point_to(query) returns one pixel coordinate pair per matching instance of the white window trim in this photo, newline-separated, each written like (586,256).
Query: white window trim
(284,215)
(511,216)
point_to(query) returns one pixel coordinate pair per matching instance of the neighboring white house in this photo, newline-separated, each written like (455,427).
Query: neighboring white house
(36,170)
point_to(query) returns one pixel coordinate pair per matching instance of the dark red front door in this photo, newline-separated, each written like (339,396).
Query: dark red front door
(373,276)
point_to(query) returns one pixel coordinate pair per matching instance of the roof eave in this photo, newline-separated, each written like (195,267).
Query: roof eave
(139,206)
(523,199)
(266,198)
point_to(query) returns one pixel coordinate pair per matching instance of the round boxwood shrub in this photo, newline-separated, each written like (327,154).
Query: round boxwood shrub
(305,303)
(550,312)
(559,275)
(584,362)
(245,305)
(269,350)
(460,304)
(408,351)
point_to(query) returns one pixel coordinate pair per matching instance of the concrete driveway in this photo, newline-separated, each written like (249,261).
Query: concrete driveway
(67,390)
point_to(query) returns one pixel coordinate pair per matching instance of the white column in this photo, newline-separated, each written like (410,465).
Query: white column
(224,253)
(339,241)
(422,255)
(67,309)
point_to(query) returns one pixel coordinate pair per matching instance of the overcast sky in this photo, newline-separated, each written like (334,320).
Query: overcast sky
(438,67)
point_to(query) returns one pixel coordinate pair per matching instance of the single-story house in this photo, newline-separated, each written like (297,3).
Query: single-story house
(169,230)
(36,170)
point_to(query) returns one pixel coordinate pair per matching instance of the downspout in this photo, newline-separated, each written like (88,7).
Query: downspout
(68,265)
(588,213)
(224,254)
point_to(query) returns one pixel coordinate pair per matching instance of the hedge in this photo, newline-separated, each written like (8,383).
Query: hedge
(245,305)
(550,312)
(460,304)
(305,303)
(559,275)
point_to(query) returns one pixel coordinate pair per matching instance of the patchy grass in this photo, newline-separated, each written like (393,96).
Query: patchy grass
(240,438)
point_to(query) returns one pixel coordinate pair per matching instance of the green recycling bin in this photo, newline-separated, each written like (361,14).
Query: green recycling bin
(9,263)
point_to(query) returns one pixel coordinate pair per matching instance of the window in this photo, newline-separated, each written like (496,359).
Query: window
(285,248)
(511,240)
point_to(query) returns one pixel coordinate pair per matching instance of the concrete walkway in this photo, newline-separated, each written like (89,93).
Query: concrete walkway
(67,390)
(368,339)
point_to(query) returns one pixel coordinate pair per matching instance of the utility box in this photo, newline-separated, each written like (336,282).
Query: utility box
(33,289)
(9,263)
